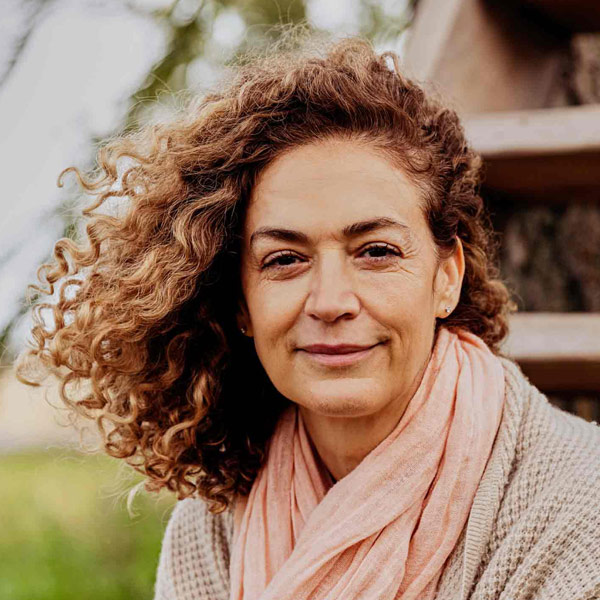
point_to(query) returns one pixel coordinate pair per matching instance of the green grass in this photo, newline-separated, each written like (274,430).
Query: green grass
(65,532)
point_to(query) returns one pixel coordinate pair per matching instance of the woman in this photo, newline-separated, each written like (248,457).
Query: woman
(296,327)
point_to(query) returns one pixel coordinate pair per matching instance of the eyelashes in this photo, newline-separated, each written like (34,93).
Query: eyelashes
(383,247)
(281,260)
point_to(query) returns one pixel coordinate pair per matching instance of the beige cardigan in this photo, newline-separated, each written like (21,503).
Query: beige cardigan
(533,531)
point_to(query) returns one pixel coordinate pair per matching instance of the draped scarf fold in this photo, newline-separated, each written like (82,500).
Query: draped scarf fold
(385,530)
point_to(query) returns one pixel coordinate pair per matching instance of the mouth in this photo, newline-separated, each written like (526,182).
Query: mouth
(344,356)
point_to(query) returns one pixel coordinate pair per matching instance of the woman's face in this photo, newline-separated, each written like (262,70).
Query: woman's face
(336,250)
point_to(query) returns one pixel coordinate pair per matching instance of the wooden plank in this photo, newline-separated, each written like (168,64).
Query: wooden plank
(485,57)
(557,351)
(543,132)
(556,178)
(552,152)
(575,15)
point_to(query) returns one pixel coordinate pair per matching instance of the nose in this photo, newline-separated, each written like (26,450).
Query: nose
(332,294)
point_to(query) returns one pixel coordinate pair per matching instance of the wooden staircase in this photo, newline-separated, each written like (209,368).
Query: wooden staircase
(499,64)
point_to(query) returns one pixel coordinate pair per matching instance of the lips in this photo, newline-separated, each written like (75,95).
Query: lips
(337,349)
(342,355)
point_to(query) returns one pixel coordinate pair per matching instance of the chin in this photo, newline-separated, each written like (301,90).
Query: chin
(331,400)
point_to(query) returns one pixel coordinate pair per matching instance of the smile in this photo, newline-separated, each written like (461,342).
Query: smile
(340,360)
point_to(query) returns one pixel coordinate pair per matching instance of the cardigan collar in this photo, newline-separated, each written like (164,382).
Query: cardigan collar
(486,503)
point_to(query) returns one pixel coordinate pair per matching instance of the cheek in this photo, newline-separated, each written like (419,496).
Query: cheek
(403,299)
(274,310)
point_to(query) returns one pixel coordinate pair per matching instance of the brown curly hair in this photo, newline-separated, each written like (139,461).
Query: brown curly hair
(146,305)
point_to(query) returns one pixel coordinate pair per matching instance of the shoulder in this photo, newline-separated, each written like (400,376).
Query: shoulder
(546,542)
(556,441)
(555,452)
(194,557)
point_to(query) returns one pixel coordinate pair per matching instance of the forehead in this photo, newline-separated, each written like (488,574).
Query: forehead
(322,187)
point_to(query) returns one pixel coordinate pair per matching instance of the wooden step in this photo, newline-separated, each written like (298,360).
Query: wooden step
(540,153)
(559,352)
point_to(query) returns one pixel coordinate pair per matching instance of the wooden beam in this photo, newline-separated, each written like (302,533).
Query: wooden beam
(558,178)
(557,351)
(566,130)
(485,57)
(574,15)
(553,151)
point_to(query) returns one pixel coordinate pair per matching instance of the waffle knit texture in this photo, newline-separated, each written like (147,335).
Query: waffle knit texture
(533,531)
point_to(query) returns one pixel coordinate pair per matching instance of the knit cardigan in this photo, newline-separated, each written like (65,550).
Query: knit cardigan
(533,531)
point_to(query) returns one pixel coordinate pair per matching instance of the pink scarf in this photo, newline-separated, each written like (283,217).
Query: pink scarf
(385,530)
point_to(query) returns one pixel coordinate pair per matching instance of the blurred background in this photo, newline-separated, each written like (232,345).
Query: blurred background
(523,74)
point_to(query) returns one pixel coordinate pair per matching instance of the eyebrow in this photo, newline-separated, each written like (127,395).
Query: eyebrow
(350,231)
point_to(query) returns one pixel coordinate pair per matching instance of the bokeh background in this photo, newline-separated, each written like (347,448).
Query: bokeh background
(74,72)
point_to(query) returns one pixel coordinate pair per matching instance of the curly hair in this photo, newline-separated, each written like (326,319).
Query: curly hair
(145,308)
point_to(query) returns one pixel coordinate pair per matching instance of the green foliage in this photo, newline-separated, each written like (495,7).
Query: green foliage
(66,531)
(265,21)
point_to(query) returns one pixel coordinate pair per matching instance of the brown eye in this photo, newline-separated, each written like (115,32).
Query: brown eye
(280,261)
(381,252)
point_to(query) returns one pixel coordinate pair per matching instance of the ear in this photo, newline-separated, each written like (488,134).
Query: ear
(449,278)
(242,317)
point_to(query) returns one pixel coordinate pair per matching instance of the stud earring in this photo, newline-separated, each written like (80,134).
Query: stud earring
(243,329)
(448,309)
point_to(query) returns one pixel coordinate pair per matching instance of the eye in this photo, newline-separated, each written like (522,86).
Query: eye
(280,260)
(382,251)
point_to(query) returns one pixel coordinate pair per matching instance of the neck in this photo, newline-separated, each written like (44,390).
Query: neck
(343,442)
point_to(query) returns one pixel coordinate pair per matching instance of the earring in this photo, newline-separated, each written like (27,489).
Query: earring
(243,329)
(448,309)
